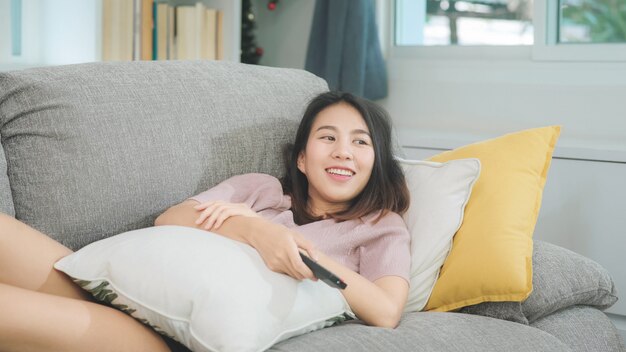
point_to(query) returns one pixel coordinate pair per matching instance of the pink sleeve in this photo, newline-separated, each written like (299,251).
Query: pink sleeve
(258,191)
(389,252)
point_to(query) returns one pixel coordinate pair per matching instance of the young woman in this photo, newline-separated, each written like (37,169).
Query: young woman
(338,202)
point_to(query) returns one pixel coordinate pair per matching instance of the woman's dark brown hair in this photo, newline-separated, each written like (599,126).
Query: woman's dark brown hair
(386,189)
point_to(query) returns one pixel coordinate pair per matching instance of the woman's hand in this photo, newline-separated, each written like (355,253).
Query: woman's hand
(280,251)
(278,246)
(214,213)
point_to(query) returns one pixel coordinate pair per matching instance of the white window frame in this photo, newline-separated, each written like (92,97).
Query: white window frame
(545,47)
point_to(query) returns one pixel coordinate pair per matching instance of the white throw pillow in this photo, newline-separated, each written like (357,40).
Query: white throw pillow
(439,193)
(206,291)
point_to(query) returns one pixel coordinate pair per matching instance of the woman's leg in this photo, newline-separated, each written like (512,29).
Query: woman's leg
(27,257)
(42,309)
(35,321)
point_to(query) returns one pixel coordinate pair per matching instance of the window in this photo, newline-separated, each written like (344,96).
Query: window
(467,22)
(547,30)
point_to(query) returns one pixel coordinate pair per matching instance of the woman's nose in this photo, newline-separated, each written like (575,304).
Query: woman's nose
(342,151)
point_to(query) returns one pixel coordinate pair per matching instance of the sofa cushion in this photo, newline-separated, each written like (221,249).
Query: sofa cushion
(102,148)
(439,193)
(565,279)
(491,257)
(428,331)
(6,199)
(561,278)
(583,329)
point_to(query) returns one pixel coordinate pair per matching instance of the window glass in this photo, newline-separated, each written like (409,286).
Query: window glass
(592,21)
(464,22)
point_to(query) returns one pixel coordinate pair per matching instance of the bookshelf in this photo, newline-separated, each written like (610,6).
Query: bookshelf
(171,29)
(64,32)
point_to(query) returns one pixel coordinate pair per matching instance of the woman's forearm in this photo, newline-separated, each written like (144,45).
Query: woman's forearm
(371,303)
(238,228)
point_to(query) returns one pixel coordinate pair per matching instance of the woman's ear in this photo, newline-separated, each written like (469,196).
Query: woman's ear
(301,163)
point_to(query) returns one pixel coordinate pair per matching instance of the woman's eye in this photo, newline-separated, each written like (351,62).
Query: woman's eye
(330,138)
(361,142)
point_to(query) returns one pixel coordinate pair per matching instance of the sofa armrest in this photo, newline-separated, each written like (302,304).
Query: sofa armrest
(561,278)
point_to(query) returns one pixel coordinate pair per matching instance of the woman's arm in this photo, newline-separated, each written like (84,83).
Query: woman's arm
(277,245)
(378,303)
(182,214)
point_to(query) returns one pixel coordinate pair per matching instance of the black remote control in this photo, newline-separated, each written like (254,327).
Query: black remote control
(323,274)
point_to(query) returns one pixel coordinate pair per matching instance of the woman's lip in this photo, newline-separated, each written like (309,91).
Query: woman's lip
(338,177)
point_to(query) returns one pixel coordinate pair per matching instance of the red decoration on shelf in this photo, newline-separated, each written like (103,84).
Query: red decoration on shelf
(272,5)
(259,51)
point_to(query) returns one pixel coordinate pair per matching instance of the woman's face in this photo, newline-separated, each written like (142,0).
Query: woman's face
(338,158)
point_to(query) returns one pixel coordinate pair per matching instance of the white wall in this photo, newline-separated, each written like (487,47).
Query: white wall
(70,31)
(483,98)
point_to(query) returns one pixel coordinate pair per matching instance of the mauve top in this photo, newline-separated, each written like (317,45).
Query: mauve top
(373,249)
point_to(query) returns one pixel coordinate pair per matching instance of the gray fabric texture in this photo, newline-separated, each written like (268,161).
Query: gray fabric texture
(583,329)
(564,279)
(101,148)
(6,199)
(561,278)
(511,311)
(428,332)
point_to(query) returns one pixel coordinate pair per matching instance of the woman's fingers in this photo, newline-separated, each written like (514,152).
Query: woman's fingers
(223,215)
(204,205)
(294,256)
(282,264)
(307,245)
(214,213)
(281,254)
(303,271)
(205,210)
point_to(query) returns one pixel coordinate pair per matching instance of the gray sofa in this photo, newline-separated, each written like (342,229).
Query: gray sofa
(92,150)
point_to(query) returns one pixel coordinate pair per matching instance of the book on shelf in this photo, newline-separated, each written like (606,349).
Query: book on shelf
(166,31)
(117,30)
(161,30)
(147,24)
(219,36)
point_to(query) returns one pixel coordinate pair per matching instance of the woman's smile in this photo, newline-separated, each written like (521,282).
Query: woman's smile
(340,174)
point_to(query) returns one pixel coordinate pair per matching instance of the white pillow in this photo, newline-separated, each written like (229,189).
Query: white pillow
(439,193)
(206,291)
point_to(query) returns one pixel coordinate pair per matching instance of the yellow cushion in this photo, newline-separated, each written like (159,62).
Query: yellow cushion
(491,256)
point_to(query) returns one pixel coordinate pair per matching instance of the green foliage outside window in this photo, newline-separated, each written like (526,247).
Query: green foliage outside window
(605,20)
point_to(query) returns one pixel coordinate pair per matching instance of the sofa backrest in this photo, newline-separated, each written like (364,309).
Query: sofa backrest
(96,149)
(6,200)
